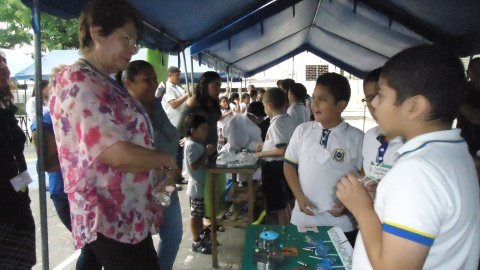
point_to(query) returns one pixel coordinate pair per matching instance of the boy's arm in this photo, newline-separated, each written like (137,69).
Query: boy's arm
(279,151)
(384,250)
(209,150)
(291,176)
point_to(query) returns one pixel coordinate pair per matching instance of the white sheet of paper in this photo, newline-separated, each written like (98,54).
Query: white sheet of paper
(21,181)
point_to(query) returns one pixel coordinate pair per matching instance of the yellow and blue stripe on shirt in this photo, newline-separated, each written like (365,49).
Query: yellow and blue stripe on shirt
(409,233)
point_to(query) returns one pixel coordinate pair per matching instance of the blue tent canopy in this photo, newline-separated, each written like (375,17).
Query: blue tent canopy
(248,36)
(49,61)
(60,57)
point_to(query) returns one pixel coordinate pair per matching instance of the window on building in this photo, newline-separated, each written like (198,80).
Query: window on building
(313,71)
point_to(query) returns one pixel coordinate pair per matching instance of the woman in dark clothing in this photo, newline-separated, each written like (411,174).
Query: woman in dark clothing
(206,103)
(17,228)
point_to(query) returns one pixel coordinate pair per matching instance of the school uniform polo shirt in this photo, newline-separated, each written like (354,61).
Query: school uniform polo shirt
(299,113)
(279,133)
(320,168)
(379,156)
(192,152)
(431,197)
(173,92)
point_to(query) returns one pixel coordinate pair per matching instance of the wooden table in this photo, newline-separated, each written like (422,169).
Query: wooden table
(212,171)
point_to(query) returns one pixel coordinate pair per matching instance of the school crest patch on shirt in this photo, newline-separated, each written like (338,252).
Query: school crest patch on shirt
(338,155)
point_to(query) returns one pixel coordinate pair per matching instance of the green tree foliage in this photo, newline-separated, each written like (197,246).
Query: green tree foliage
(16,29)
(59,33)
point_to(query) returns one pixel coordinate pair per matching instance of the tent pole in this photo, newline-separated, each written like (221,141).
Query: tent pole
(186,74)
(39,139)
(192,74)
(228,81)
(293,66)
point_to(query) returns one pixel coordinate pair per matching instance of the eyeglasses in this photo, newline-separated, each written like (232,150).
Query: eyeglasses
(131,42)
(367,100)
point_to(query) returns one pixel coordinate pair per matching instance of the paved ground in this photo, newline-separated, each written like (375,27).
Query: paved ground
(62,255)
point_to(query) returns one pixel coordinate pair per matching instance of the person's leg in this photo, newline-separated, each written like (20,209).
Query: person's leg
(282,217)
(197,212)
(196,226)
(170,233)
(87,260)
(275,193)
(115,255)
(17,240)
(63,210)
(179,179)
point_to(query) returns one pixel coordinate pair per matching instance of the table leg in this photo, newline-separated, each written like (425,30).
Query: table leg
(251,198)
(213,220)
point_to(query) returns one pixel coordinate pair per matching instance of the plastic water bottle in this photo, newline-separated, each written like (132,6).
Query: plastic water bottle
(163,198)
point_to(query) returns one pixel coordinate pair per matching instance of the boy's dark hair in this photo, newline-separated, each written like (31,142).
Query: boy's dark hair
(430,71)
(299,91)
(253,92)
(234,96)
(109,15)
(337,85)
(277,97)
(372,76)
(287,84)
(193,121)
(256,108)
(279,83)
(244,96)
(260,90)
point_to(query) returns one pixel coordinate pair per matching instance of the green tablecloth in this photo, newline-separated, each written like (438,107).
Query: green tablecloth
(289,237)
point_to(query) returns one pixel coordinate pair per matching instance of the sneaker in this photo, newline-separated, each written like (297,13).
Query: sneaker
(205,236)
(201,247)
(184,181)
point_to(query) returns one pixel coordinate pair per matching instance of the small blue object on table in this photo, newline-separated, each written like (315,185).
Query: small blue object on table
(326,249)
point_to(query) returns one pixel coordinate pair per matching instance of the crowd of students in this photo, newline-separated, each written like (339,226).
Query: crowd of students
(405,193)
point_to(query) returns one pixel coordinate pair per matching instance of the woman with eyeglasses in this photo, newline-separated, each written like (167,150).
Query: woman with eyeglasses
(105,144)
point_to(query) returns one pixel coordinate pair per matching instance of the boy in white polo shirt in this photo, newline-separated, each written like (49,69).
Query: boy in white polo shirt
(426,212)
(379,152)
(277,193)
(320,153)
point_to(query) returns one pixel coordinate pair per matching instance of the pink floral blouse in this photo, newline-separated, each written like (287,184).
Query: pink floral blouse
(91,112)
